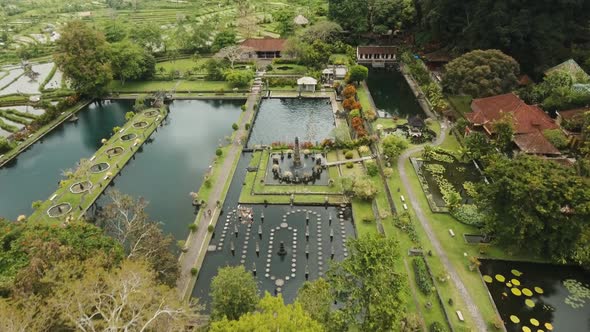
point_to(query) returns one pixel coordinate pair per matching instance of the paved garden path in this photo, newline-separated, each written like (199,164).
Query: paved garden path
(341,162)
(473,311)
(199,240)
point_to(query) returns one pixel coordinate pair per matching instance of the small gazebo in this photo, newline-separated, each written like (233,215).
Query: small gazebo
(307,84)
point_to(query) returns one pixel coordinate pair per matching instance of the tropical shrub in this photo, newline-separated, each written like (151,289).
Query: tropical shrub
(348,155)
(423,280)
(372,168)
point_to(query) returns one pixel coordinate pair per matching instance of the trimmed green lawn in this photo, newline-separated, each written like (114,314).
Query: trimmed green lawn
(150,86)
(462,104)
(100,181)
(182,65)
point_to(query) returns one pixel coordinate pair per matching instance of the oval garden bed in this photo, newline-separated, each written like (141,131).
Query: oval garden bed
(59,210)
(128,137)
(140,124)
(151,114)
(99,168)
(117,150)
(80,187)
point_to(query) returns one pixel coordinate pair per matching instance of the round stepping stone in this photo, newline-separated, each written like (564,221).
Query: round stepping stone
(242,261)
(292,275)
(272,277)
(293,260)
(293,265)
(267,275)
(243,256)
(267,270)
(279,282)
(290,228)
(268,260)
(293,270)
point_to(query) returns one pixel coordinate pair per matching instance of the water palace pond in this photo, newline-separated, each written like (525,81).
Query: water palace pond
(392,94)
(539,297)
(281,245)
(35,173)
(164,171)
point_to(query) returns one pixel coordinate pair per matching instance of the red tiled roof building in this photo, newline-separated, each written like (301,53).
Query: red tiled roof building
(529,121)
(266,48)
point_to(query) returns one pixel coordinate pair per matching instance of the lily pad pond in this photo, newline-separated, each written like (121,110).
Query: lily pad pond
(540,297)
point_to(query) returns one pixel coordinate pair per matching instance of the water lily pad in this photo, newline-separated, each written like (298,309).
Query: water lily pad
(514,319)
(534,322)
(515,282)
(526,329)
(488,279)
(516,291)
(549,326)
(529,303)
(516,273)
(527,292)
(500,278)
(508,285)
(539,290)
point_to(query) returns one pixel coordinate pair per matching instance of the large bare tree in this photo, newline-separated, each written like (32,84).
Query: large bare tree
(125,220)
(234,53)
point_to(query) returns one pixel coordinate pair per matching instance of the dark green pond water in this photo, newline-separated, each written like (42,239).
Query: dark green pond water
(34,174)
(391,93)
(562,299)
(280,120)
(174,162)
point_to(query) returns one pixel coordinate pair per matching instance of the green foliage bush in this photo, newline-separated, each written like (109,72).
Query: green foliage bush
(243,107)
(210,228)
(349,155)
(354,114)
(194,271)
(437,327)
(349,165)
(247,126)
(423,279)
(5,145)
(218,152)
(468,214)
(372,168)
(193,227)
(404,222)
(556,137)
(235,126)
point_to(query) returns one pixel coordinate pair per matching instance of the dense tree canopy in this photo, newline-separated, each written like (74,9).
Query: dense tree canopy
(83,56)
(233,293)
(271,315)
(129,61)
(377,16)
(368,284)
(481,74)
(31,249)
(393,146)
(536,206)
(538,33)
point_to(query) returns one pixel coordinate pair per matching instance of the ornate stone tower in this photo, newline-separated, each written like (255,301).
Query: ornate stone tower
(297,154)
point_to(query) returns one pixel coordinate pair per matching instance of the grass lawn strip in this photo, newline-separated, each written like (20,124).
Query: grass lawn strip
(81,202)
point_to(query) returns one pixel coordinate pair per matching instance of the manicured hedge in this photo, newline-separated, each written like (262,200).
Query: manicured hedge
(423,280)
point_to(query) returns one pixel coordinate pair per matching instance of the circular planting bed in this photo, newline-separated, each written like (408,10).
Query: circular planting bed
(128,137)
(117,150)
(80,187)
(151,114)
(59,210)
(100,167)
(140,124)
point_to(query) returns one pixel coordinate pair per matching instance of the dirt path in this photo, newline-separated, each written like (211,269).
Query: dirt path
(199,240)
(479,322)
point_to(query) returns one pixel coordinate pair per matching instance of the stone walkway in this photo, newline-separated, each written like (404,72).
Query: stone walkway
(198,241)
(478,320)
(341,162)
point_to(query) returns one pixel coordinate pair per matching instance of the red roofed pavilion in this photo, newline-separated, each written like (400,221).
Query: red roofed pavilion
(529,121)
(266,48)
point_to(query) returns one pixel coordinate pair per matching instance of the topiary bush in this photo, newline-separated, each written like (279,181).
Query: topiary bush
(194,271)
(193,227)
(210,228)
(235,126)
(348,155)
(218,152)
(247,126)
(349,165)
(243,107)
(423,279)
